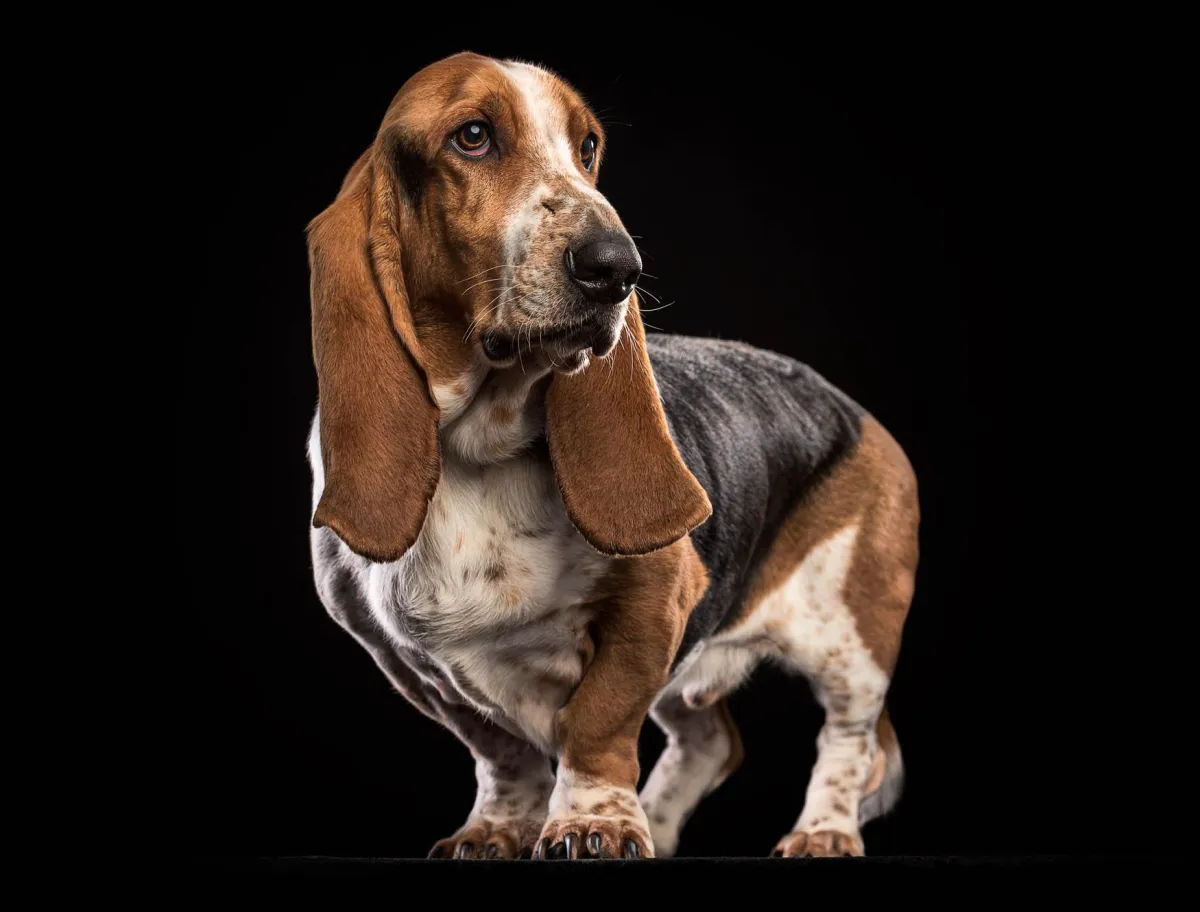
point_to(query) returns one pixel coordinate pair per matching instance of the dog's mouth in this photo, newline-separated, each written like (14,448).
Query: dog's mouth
(566,346)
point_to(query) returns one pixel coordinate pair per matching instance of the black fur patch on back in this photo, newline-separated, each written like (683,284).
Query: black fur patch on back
(758,430)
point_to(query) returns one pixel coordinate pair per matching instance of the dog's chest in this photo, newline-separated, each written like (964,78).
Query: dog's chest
(494,589)
(496,552)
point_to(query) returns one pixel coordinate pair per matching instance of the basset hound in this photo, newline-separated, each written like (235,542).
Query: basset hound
(544,525)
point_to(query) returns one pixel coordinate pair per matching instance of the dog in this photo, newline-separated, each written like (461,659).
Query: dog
(545,525)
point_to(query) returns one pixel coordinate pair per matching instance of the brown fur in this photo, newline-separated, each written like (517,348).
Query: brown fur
(399,306)
(643,606)
(391,316)
(875,487)
(377,413)
(628,492)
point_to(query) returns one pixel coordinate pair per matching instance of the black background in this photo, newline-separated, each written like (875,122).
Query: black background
(899,221)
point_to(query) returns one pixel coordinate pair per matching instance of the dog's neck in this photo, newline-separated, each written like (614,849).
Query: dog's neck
(491,414)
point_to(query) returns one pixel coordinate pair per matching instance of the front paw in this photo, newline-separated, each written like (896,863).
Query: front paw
(595,821)
(484,837)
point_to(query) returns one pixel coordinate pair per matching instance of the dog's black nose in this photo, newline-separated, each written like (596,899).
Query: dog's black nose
(605,267)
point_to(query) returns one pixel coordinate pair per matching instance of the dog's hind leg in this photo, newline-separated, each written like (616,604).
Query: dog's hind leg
(820,637)
(703,749)
(832,598)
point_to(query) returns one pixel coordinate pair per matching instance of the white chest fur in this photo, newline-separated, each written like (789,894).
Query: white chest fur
(493,589)
(497,552)
(494,592)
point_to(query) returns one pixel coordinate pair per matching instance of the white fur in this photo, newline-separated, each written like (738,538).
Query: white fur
(576,798)
(519,231)
(515,801)
(806,623)
(699,748)
(512,645)
(504,415)
(559,165)
(549,120)
(454,398)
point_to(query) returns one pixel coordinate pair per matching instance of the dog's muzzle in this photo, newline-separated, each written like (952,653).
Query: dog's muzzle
(598,334)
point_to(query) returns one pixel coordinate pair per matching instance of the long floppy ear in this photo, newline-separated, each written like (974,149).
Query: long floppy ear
(624,484)
(378,420)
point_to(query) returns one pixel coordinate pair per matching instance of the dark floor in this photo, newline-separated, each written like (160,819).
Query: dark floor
(1150,874)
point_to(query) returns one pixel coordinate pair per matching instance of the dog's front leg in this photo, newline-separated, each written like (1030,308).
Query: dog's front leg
(594,809)
(513,783)
(512,777)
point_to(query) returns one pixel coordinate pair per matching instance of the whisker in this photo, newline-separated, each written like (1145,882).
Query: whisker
(651,310)
(482,282)
(472,324)
(491,269)
(620,344)
(502,294)
(656,298)
(632,349)
(542,346)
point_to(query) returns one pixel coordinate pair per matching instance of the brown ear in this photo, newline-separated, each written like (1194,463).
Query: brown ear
(378,421)
(624,484)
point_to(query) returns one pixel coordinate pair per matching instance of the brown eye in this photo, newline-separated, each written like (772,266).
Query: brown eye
(587,152)
(473,139)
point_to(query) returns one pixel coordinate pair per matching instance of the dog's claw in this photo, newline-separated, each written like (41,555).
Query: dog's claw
(493,850)
(571,843)
(466,850)
(595,845)
(631,849)
(542,846)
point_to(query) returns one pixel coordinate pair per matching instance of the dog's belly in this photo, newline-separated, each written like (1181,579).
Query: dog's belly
(495,592)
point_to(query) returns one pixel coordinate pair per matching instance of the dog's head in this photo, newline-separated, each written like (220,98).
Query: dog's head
(471,230)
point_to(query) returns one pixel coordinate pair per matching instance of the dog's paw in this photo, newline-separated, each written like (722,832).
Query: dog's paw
(484,837)
(591,820)
(821,844)
(594,837)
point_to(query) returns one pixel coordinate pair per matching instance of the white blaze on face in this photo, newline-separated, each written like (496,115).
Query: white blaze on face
(557,156)
(550,124)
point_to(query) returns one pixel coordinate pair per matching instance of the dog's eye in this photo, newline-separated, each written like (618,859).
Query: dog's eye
(473,139)
(587,152)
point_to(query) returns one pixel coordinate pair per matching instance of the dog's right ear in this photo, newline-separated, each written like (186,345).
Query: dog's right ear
(378,420)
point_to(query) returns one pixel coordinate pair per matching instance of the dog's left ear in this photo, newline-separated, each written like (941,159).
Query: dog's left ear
(624,484)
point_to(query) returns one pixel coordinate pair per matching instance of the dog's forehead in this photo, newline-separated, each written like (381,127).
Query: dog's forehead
(552,115)
(545,95)
(531,91)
